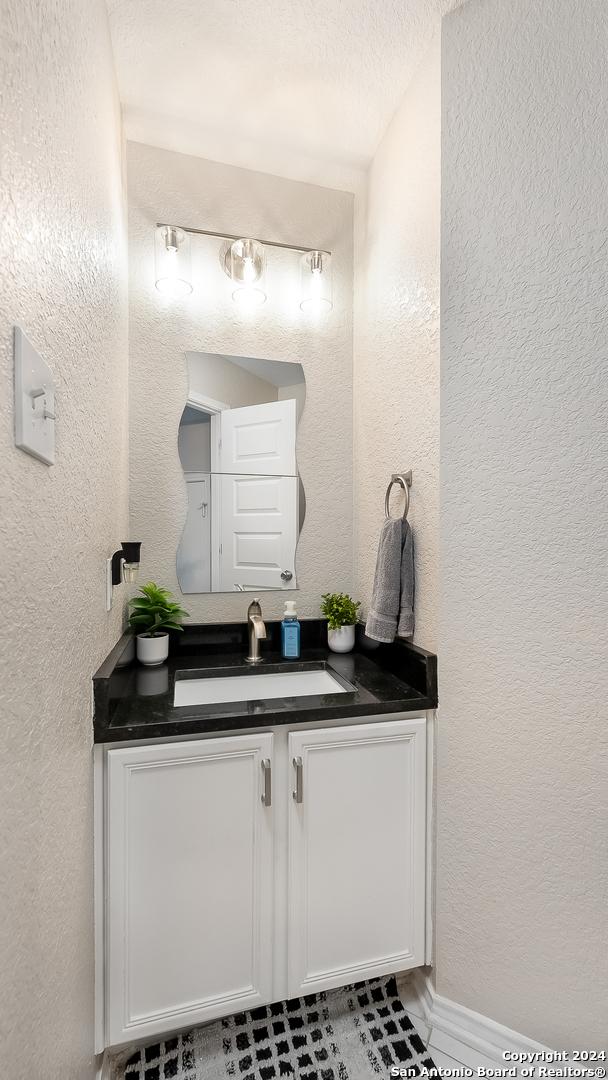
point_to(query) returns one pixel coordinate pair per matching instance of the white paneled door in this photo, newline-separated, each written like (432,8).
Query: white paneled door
(356,853)
(259,439)
(255,531)
(190,883)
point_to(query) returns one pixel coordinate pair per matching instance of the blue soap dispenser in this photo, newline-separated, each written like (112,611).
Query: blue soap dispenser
(290,632)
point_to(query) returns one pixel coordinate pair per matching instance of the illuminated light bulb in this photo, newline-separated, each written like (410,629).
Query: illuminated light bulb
(249,271)
(315,276)
(173,275)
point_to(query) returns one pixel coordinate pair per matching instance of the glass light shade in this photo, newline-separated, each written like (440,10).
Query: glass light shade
(173,261)
(315,279)
(245,264)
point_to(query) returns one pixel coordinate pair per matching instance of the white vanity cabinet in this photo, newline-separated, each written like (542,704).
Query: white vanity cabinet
(356,854)
(189,883)
(243,869)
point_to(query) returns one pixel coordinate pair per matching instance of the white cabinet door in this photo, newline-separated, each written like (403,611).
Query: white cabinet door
(255,532)
(190,883)
(356,853)
(259,439)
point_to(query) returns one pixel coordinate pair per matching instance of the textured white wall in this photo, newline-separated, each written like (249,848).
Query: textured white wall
(164,186)
(523,744)
(396,376)
(63,278)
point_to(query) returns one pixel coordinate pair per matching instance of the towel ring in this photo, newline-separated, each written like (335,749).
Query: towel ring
(405,482)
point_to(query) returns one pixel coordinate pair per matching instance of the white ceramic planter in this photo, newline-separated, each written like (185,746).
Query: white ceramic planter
(152,650)
(342,640)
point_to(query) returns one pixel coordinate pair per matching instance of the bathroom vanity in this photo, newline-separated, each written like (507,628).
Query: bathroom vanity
(259,849)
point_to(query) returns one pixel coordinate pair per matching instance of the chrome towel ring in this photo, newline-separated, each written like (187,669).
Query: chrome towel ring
(405,481)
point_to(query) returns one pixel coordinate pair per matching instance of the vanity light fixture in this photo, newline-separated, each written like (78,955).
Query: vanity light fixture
(122,567)
(245,264)
(315,278)
(243,259)
(173,261)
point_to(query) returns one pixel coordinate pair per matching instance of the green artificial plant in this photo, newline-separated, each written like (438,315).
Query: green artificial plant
(339,609)
(155,611)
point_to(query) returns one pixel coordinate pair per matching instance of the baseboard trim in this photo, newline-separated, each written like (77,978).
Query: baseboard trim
(461,1032)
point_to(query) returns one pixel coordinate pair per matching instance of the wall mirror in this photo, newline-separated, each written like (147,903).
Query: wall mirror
(237,447)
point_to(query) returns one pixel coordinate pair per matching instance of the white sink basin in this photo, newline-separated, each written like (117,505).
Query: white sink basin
(284,684)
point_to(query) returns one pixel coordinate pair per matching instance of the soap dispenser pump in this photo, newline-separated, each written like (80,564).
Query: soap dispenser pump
(290,632)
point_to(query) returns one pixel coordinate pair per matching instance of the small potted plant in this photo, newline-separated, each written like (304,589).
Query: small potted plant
(340,610)
(154,613)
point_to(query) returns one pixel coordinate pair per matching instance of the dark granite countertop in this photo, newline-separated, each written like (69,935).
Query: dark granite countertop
(135,702)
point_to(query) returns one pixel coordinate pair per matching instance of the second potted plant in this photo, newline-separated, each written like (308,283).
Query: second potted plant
(153,614)
(340,610)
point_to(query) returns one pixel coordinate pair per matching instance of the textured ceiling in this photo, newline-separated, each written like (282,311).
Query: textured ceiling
(301,89)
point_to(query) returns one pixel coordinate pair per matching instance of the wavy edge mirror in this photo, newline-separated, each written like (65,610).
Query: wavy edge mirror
(245,498)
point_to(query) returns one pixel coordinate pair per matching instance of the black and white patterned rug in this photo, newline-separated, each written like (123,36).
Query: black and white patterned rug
(349,1034)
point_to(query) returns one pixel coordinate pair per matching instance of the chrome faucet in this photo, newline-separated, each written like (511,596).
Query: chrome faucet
(257,632)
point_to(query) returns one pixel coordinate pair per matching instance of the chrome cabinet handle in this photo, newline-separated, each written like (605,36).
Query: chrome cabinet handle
(298,794)
(286,575)
(267,774)
(204,509)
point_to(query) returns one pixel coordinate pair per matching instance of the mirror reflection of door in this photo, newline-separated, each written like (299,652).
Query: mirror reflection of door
(194,556)
(255,498)
(259,439)
(237,441)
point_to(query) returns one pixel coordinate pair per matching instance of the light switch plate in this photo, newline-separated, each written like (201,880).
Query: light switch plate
(34,401)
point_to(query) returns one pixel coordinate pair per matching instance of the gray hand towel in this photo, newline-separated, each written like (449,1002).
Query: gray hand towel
(406,602)
(392,607)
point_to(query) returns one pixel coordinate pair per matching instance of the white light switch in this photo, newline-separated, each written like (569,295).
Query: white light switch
(34,401)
